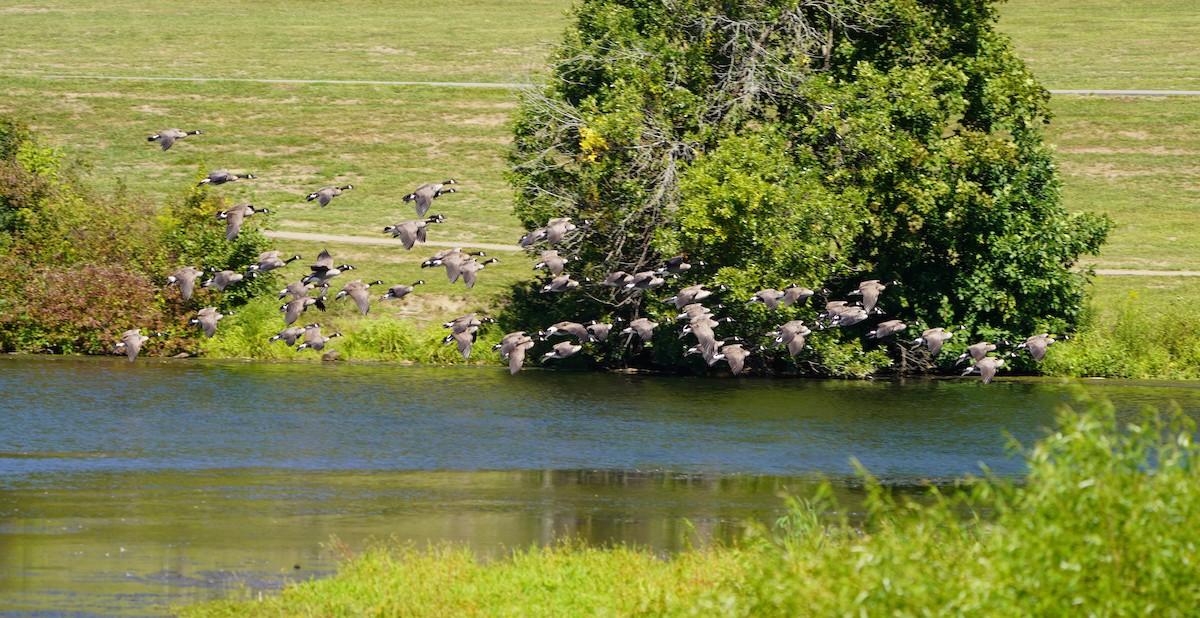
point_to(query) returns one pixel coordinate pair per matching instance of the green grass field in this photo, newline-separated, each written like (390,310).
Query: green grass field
(1133,158)
(1106,44)
(401,40)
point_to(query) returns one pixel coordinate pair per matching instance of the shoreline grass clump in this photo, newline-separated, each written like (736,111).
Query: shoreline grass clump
(1128,337)
(1101,525)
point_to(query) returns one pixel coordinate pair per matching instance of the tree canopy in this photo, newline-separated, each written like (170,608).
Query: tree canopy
(816,142)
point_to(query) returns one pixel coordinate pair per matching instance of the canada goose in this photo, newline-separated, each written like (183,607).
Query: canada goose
(707,342)
(185,278)
(985,367)
(270,260)
(516,355)
(222,176)
(709,354)
(870,291)
(290,334)
(735,355)
(358,291)
(470,320)
(599,330)
(465,338)
(439,258)
(618,279)
(222,280)
(400,291)
(767,296)
(849,316)
(888,327)
(207,319)
(412,231)
(531,237)
(131,342)
(645,280)
(710,349)
(556,230)
(833,307)
(452,260)
(509,340)
(561,283)
(312,331)
(167,137)
(553,262)
(561,350)
(471,267)
(691,310)
(512,348)
(689,295)
(701,321)
(791,334)
(568,328)
(793,294)
(676,265)
(316,342)
(1037,345)
(552,233)
(702,329)
(933,338)
(642,327)
(324,195)
(976,351)
(298,289)
(234,216)
(422,196)
(293,308)
(324,270)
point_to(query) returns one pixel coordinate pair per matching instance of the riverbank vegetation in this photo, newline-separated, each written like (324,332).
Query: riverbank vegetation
(1128,157)
(1127,335)
(1101,525)
(80,264)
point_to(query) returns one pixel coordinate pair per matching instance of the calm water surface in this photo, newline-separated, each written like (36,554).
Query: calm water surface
(128,487)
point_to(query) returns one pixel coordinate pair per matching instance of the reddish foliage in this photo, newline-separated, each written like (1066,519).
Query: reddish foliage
(79,309)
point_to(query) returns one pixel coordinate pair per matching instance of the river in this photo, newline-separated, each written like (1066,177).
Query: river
(126,488)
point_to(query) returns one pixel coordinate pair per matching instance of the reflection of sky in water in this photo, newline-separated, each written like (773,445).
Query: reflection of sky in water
(89,414)
(126,486)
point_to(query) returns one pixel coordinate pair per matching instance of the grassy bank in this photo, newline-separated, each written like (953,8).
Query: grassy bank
(1102,525)
(1139,328)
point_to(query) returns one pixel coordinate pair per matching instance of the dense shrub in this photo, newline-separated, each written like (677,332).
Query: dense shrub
(817,143)
(81,267)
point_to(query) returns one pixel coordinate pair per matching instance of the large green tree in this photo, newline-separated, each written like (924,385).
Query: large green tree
(818,142)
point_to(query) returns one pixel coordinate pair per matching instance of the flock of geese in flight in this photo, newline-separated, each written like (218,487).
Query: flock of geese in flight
(699,321)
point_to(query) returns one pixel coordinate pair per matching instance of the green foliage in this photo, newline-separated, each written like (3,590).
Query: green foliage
(82,267)
(811,143)
(193,235)
(1102,524)
(1132,340)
